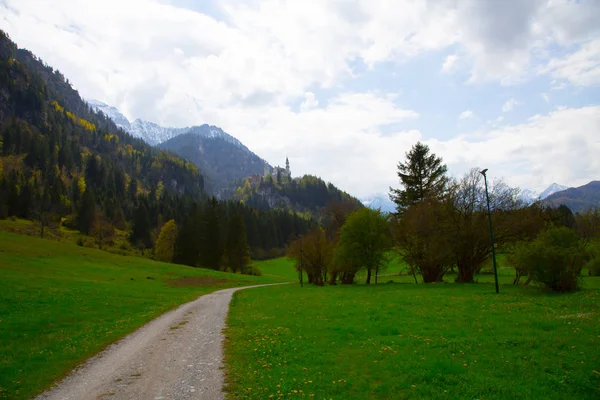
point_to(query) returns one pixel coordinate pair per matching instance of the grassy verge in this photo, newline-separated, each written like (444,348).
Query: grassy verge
(406,341)
(61,303)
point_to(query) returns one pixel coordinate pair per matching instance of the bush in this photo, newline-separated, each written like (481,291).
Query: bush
(554,259)
(251,270)
(70,222)
(593,266)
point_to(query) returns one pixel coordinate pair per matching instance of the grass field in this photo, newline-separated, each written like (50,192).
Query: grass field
(61,303)
(407,341)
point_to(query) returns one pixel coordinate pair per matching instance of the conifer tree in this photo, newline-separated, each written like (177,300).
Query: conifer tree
(237,251)
(422,175)
(87,212)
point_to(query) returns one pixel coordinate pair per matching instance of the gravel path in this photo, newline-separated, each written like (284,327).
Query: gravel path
(178,355)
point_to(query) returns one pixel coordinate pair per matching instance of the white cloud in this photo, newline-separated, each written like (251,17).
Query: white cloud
(309,101)
(466,114)
(244,72)
(580,68)
(509,105)
(449,63)
(559,147)
(546,97)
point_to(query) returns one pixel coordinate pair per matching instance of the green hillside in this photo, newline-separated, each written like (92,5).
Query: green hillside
(61,304)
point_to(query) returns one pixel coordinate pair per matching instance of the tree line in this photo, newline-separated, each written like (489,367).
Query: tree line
(441,225)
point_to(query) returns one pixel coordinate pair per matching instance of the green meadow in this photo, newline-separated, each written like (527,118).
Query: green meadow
(407,341)
(61,303)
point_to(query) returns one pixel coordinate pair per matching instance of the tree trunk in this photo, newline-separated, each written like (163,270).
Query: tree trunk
(333,278)
(465,274)
(368,276)
(414,273)
(348,278)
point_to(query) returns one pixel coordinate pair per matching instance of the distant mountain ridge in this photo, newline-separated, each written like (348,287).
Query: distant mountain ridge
(379,201)
(578,199)
(155,134)
(222,158)
(529,196)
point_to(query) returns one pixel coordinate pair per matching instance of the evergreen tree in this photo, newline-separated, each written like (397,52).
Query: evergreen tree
(187,246)
(141,235)
(237,251)
(210,246)
(87,212)
(423,176)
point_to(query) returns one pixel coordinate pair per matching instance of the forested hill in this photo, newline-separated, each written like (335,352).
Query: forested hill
(63,163)
(222,160)
(308,194)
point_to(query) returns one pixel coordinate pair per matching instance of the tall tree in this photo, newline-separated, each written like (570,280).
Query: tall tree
(87,212)
(422,176)
(141,234)
(210,241)
(237,251)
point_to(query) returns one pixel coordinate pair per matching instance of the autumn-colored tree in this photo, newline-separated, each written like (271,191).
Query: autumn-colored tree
(165,244)
(313,254)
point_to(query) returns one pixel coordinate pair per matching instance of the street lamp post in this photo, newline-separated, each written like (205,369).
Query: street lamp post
(487,196)
(300,267)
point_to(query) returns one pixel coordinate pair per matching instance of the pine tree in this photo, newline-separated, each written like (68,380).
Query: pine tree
(210,246)
(237,251)
(87,212)
(141,231)
(187,246)
(422,176)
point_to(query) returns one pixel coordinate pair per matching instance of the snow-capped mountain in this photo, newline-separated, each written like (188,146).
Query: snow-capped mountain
(381,201)
(111,112)
(529,196)
(155,134)
(555,187)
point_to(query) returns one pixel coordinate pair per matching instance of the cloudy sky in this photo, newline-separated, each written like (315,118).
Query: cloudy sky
(345,88)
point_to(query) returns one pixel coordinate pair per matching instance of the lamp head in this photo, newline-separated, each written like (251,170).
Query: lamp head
(483,172)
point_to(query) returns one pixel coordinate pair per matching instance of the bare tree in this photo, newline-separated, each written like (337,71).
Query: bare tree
(467,225)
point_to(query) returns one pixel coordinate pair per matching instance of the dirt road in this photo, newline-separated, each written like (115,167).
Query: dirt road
(176,356)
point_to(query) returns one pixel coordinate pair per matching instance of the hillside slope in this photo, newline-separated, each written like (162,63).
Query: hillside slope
(308,194)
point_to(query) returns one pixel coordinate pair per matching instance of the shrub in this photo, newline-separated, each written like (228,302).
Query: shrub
(251,270)
(593,266)
(70,222)
(554,259)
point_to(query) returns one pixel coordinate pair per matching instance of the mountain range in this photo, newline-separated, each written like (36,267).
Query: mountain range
(222,158)
(529,196)
(226,164)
